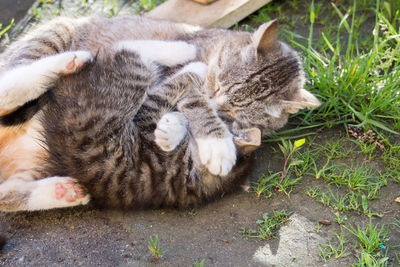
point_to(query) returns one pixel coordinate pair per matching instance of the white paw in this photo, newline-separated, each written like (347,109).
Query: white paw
(57,192)
(73,61)
(171,129)
(198,68)
(217,154)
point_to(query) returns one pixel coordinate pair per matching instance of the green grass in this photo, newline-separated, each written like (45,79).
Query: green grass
(148,5)
(200,264)
(327,251)
(268,225)
(5,29)
(371,240)
(370,237)
(357,87)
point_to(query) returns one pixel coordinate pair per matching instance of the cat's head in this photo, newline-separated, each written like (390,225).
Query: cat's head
(257,81)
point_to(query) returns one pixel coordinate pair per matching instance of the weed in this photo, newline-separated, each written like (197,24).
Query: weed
(149,4)
(353,84)
(110,7)
(268,225)
(334,149)
(288,149)
(313,192)
(154,247)
(345,203)
(269,182)
(327,251)
(396,223)
(200,264)
(369,260)
(371,237)
(192,212)
(361,178)
(391,158)
(340,218)
(319,227)
(3,31)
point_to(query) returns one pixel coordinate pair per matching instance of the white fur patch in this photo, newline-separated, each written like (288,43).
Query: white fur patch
(44,195)
(28,82)
(274,110)
(168,53)
(198,68)
(171,130)
(309,99)
(221,99)
(217,154)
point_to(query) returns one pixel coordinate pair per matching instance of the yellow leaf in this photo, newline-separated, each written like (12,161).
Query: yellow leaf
(299,143)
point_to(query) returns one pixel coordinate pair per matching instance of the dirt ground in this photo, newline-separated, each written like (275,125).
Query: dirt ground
(88,236)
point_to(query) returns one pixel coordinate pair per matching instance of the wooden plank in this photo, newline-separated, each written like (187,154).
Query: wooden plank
(222,13)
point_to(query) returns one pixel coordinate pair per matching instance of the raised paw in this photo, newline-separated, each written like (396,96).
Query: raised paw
(74,61)
(217,154)
(170,131)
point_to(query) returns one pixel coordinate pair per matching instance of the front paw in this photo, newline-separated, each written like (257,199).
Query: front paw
(171,130)
(217,154)
(198,68)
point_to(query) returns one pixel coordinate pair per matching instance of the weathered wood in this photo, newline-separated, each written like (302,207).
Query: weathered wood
(205,2)
(222,13)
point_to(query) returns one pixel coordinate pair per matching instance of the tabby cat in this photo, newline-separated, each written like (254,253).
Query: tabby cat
(252,81)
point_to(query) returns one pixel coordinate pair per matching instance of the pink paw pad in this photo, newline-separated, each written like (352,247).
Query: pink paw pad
(79,60)
(60,191)
(70,191)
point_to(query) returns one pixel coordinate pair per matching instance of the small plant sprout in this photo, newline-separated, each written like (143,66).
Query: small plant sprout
(288,149)
(200,264)
(327,251)
(268,225)
(371,237)
(154,247)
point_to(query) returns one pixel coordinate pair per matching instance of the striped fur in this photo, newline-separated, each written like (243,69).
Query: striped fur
(252,81)
(105,139)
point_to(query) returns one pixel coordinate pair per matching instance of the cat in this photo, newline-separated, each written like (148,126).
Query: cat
(253,80)
(113,111)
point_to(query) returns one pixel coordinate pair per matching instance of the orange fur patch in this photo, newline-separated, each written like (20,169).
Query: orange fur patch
(5,111)
(19,150)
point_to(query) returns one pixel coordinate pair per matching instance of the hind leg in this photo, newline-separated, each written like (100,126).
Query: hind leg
(48,193)
(27,82)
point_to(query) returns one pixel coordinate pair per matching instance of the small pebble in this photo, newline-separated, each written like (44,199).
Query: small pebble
(325,222)
(397,200)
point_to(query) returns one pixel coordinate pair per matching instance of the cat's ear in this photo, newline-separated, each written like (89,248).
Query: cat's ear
(266,35)
(248,140)
(302,99)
